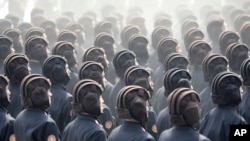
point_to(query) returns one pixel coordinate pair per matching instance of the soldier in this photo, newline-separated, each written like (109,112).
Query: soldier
(211,66)
(215,26)
(87,103)
(197,52)
(5,24)
(56,69)
(243,106)
(79,31)
(191,36)
(244,34)
(240,20)
(33,123)
(122,61)
(163,20)
(70,15)
(165,47)
(138,21)
(107,42)
(236,53)
(103,26)
(95,71)
(173,79)
(36,11)
(37,16)
(173,60)
(6,48)
(226,38)
(13,18)
(36,49)
(114,20)
(139,45)
(67,50)
(226,95)
(71,37)
(62,21)
(34,31)
(98,55)
(187,25)
(23,27)
(6,121)
(140,76)
(126,33)
(184,113)
(16,67)
(132,107)
(51,32)
(67,35)
(158,33)
(88,24)
(15,35)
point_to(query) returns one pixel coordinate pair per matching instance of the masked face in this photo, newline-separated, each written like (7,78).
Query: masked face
(18,69)
(238,56)
(40,95)
(138,109)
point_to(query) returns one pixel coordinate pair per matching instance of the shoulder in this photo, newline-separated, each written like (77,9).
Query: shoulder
(147,137)
(203,138)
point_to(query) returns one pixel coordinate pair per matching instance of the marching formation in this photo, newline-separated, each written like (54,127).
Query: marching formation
(98,78)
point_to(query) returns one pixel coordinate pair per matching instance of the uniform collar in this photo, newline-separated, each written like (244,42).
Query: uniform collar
(133,124)
(184,128)
(36,109)
(86,117)
(61,86)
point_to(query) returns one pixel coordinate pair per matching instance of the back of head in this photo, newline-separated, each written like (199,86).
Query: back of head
(184,107)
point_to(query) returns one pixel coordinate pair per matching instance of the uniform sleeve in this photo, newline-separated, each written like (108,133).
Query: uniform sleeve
(107,120)
(50,132)
(67,112)
(99,136)
(7,131)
